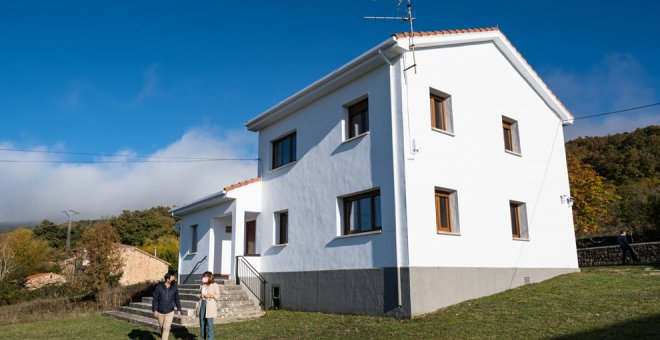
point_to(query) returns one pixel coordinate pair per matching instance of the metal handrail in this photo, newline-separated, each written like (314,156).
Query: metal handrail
(193,270)
(249,282)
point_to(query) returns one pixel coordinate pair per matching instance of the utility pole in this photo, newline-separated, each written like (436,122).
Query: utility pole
(68,214)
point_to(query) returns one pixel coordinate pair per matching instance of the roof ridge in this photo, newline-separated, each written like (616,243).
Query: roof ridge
(242,184)
(446,32)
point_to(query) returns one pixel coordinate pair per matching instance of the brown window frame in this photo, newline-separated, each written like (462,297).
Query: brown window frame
(516,228)
(283,227)
(347,203)
(443,114)
(507,133)
(439,196)
(278,160)
(359,110)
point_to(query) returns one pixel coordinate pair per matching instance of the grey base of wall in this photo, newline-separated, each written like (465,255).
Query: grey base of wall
(192,279)
(374,291)
(611,255)
(432,288)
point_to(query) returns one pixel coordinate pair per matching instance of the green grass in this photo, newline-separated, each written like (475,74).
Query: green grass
(598,303)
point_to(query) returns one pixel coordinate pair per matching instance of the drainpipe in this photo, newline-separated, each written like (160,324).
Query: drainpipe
(178,267)
(399,297)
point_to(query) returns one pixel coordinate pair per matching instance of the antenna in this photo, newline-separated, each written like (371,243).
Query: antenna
(411,40)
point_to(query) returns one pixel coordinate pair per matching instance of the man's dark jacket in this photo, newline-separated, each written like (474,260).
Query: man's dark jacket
(165,299)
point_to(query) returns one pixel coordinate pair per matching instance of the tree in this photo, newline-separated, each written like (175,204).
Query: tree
(166,247)
(31,255)
(134,227)
(593,198)
(104,266)
(51,233)
(7,262)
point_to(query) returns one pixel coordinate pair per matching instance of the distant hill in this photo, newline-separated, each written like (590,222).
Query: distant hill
(9,226)
(631,162)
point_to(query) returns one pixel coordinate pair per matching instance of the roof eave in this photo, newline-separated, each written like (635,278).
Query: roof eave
(210,200)
(312,90)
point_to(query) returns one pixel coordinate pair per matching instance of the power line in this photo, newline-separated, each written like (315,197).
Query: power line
(618,111)
(120,155)
(130,161)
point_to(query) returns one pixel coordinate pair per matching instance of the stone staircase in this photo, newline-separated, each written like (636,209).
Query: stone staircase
(234,305)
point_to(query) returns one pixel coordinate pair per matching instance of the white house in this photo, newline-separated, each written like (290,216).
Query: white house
(400,183)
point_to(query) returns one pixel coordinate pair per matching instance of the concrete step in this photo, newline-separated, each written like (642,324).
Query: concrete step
(184,303)
(147,306)
(190,322)
(147,313)
(140,320)
(188,308)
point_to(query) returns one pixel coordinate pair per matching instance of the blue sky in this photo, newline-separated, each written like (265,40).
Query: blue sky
(160,77)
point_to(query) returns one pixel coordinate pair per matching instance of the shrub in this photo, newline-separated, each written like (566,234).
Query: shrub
(113,297)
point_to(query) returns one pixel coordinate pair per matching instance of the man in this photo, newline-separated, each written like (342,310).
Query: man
(166,297)
(625,248)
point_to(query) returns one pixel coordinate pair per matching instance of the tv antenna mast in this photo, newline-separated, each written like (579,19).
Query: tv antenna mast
(411,40)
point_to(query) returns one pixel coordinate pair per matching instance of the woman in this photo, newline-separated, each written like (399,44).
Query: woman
(209,292)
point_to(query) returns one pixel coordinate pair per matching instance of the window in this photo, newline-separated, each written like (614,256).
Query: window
(358,118)
(193,238)
(518,220)
(282,227)
(284,150)
(510,134)
(362,213)
(441,118)
(446,212)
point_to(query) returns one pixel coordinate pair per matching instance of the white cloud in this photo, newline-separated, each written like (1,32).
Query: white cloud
(617,82)
(34,191)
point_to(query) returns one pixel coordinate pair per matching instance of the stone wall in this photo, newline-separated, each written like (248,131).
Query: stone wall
(140,266)
(611,255)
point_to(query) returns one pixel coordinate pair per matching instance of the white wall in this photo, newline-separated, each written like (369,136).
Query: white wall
(325,169)
(484,86)
(206,235)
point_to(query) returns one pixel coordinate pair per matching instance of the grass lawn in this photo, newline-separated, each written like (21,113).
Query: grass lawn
(598,303)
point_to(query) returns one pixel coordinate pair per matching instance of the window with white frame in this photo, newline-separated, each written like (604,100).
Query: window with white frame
(282,227)
(284,150)
(193,238)
(358,118)
(361,213)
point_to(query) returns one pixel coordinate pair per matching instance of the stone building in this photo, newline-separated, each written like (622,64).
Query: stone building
(140,266)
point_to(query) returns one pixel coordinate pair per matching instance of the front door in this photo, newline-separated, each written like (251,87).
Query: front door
(250,237)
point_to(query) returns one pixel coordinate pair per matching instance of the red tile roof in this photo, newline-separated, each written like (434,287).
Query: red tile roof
(40,275)
(445,32)
(476,30)
(242,184)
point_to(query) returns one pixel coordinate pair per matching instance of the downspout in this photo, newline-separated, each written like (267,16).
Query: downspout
(178,266)
(399,295)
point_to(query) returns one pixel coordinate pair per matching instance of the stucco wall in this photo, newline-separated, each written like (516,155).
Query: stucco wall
(484,87)
(140,267)
(328,167)
(205,235)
